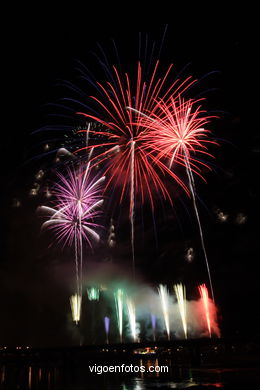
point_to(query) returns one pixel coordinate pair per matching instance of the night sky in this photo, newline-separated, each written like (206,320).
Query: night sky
(33,293)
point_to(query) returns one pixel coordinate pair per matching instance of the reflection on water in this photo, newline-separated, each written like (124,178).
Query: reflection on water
(78,377)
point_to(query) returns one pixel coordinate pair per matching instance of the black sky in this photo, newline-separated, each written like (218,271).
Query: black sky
(40,52)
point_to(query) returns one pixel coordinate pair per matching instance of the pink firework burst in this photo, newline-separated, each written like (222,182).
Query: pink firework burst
(76,207)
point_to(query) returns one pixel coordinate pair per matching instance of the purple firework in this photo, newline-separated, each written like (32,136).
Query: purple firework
(76,207)
(106,323)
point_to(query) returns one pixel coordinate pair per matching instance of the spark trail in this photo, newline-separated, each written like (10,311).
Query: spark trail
(132,203)
(193,194)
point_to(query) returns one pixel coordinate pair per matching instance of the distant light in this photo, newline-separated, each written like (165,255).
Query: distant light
(16,203)
(241,218)
(221,216)
(39,174)
(111,243)
(189,255)
(33,192)
(48,193)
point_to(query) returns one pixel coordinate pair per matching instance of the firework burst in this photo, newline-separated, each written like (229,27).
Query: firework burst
(130,164)
(76,208)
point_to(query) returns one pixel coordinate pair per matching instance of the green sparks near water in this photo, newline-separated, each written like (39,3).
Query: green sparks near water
(131,318)
(93,293)
(119,301)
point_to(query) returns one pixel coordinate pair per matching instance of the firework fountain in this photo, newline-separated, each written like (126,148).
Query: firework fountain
(131,318)
(180,292)
(119,302)
(206,305)
(106,324)
(165,303)
(75,304)
(153,322)
(93,293)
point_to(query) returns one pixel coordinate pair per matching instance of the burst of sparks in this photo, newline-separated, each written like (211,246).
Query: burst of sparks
(119,106)
(76,207)
(177,132)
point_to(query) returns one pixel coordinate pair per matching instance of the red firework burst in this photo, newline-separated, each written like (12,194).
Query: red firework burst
(132,163)
(177,132)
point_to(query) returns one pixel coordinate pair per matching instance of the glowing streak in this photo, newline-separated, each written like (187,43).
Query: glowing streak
(75,304)
(119,302)
(165,300)
(106,324)
(132,318)
(180,292)
(205,300)
(153,321)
